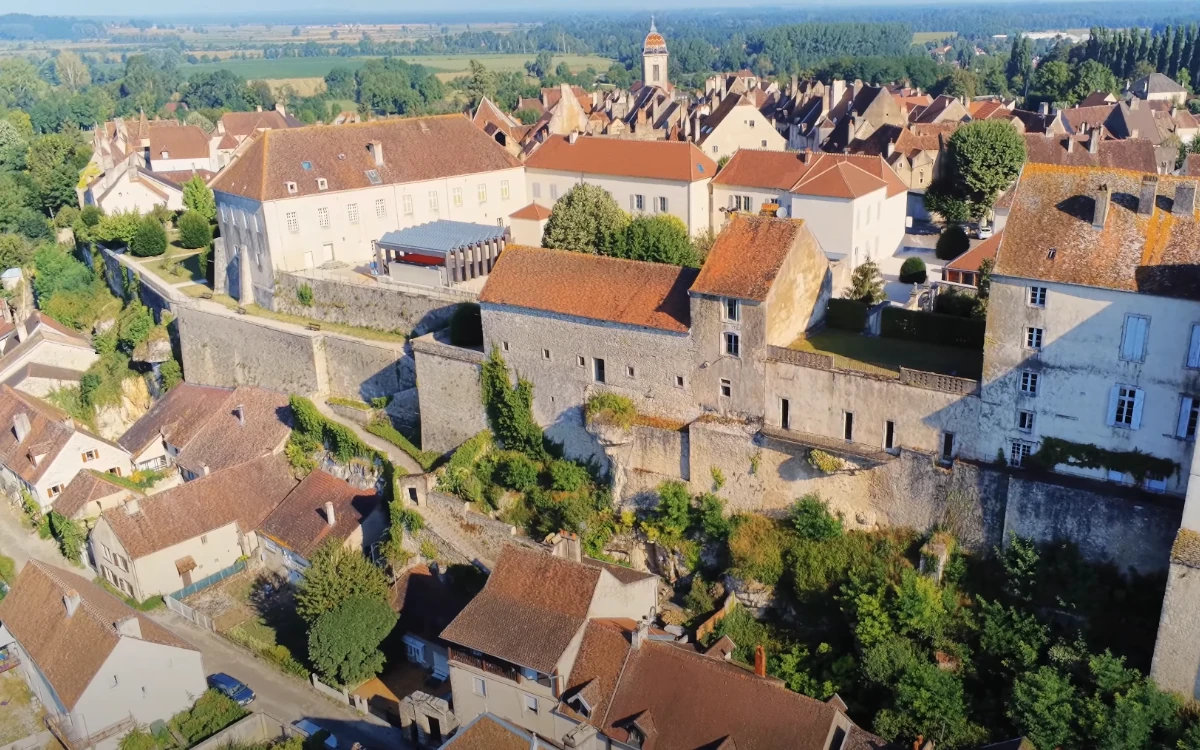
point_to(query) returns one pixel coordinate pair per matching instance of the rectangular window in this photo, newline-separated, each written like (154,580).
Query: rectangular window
(531,703)
(480,687)
(660,204)
(1155,485)
(733,344)
(1037,296)
(598,370)
(352,212)
(537,190)
(204,538)
(947,446)
(637,203)
(90,456)
(764,144)
(545,354)
(503,190)
(1193,359)
(293,224)
(105,552)
(408,209)
(726,388)
(1189,412)
(678,381)
(554,192)
(481,191)
(1025,421)
(785,414)
(380,208)
(323,217)
(889,435)
(1133,338)
(1033,338)
(847,425)
(582,361)
(1029,383)
(54,491)
(629,371)
(124,585)
(1018,452)
(1125,407)
(456,196)
(733,310)
(433,201)
(504,345)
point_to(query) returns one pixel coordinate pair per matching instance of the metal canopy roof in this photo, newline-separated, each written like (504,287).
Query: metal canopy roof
(442,236)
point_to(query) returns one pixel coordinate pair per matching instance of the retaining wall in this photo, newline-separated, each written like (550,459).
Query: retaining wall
(379,305)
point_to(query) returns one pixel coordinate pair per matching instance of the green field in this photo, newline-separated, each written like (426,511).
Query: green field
(317,67)
(921,37)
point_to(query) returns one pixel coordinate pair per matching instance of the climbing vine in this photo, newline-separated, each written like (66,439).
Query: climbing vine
(1141,466)
(510,409)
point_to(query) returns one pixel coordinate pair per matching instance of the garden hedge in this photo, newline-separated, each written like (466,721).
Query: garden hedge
(932,328)
(846,314)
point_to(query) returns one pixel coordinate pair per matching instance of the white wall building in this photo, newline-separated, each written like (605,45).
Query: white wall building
(736,124)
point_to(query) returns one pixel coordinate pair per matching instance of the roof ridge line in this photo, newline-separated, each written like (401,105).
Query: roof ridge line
(84,603)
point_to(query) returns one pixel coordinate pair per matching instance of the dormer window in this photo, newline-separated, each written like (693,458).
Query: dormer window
(165,154)
(291,187)
(580,705)
(322,184)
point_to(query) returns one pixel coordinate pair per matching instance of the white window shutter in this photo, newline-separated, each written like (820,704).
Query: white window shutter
(633,203)
(1112,404)
(1185,410)
(1139,343)
(1127,340)
(1139,396)
(1194,347)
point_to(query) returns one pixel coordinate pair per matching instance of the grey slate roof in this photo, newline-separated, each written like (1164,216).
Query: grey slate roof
(442,236)
(1157,83)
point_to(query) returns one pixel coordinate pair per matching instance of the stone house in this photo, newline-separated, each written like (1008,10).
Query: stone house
(1157,87)
(90,493)
(39,355)
(856,206)
(737,123)
(644,176)
(165,542)
(250,423)
(97,666)
(42,449)
(171,424)
(298,198)
(1094,321)
(321,508)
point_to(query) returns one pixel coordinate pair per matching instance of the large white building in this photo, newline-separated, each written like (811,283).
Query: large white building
(645,177)
(855,205)
(298,198)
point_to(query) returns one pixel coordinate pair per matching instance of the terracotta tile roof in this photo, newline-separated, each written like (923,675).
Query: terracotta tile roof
(488,732)
(806,173)
(244,494)
(1131,153)
(1191,167)
(49,431)
(529,611)
(970,260)
(1083,118)
(772,170)
(598,666)
(427,602)
(697,701)
(1098,98)
(242,124)
(299,522)
(748,254)
(488,113)
(620,157)
(553,93)
(652,295)
(179,177)
(860,739)
(414,149)
(179,141)
(70,650)
(88,486)
(224,441)
(177,416)
(987,108)
(620,572)
(1053,208)
(533,212)
(837,178)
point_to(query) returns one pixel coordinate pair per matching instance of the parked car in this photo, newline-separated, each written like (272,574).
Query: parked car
(237,690)
(985,231)
(311,729)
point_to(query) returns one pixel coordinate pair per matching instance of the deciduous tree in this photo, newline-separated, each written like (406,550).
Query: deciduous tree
(582,218)
(198,197)
(344,643)
(335,575)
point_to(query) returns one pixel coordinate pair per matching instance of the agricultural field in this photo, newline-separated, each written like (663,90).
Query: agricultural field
(275,70)
(921,37)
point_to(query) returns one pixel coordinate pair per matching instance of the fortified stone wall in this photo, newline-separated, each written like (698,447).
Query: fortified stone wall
(152,292)
(448,393)
(364,369)
(380,306)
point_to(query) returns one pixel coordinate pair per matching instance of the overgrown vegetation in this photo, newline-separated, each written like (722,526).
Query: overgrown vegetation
(610,409)
(383,427)
(1141,466)
(304,295)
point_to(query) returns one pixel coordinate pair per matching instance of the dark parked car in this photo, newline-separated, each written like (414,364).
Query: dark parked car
(234,688)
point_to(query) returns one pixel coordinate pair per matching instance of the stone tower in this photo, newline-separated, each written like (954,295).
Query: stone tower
(654,58)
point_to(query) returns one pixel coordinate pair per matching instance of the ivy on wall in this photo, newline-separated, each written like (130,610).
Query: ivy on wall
(1142,466)
(510,409)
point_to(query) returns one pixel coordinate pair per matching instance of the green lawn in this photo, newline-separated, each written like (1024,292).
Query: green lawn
(881,356)
(18,716)
(921,37)
(176,267)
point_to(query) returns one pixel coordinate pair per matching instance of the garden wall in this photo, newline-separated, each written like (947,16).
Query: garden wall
(382,306)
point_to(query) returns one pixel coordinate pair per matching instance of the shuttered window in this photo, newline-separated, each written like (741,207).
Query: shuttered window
(1125,406)
(1189,413)
(1133,339)
(1193,359)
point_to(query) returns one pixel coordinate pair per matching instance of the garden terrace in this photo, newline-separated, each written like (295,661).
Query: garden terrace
(910,361)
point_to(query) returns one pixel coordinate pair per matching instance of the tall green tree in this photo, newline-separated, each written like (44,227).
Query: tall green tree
(582,218)
(985,157)
(344,643)
(1044,707)
(334,575)
(198,197)
(481,82)
(49,162)
(660,238)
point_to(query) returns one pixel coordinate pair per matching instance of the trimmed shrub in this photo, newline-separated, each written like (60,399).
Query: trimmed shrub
(952,242)
(913,271)
(194,231)
(962,304)
(466,326)
(932,328)
(846,314)
(149,240)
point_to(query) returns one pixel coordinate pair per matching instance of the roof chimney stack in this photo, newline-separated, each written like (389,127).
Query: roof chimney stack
(1070,144)
(376,149)
(132,507)
(1185,199)
(760,661)
(1094,141)
(71,600)
(1100,212)
(330,518)
(21,426)
(640,634)
(573,136)
(1147,195)
(131,626)
(240,412)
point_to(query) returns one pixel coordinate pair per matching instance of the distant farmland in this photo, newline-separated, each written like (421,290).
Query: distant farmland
(318,67)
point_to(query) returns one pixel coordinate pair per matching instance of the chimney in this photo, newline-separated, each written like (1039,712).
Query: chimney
(280,108)
(1044,108)
(258,108)
(330,517)
(1094,141)
(220,127)
(1185,199)
(22,327)
(573,136)
(240,412)
(760,661)
(1134,133)
(376,149)
(1070,144)
(131,626)
(1100,212)
(132,507)
(21,426)
(640,635)
(71,600)
(1147,195)
(891,148)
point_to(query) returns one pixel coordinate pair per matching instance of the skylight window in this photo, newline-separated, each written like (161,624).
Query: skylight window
(700,168)
(373,176)
(306,164)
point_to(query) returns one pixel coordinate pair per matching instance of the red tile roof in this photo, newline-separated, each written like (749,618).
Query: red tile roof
(748,254)
(1128,153)
(242,124)
(177,416)
(70,649)
(651,295)
(88,486)
(179,141)
(970,260)
(299,522)
(829,175)
(414,149)
(49,431)
(225,441)
(772,170)
(532,212)
(619,157)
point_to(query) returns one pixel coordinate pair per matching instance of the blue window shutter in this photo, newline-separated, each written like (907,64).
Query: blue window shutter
(1194,347)
(1185,409)
(1139,396)
(1112,405)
